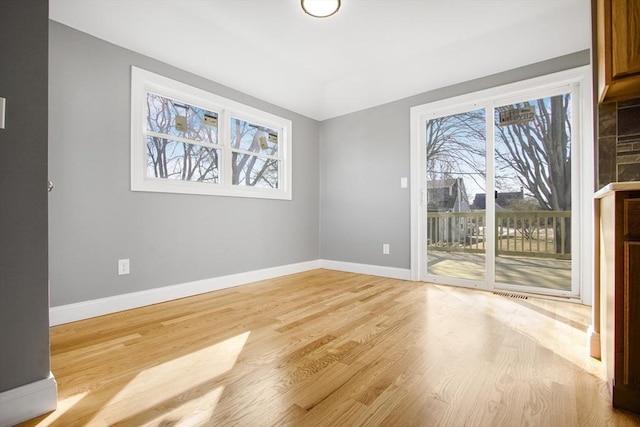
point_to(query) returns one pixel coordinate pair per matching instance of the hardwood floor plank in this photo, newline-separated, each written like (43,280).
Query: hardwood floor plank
(327,348)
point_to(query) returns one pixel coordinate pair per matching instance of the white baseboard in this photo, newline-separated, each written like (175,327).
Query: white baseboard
(28,401)
(98,307)
(373,270)
(594,343)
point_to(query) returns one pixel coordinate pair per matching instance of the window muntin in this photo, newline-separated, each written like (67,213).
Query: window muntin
(186,140)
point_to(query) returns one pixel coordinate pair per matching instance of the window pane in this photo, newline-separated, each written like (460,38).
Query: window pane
(250,137)
(254,171)
(178,160)
(533,197)
(170,117)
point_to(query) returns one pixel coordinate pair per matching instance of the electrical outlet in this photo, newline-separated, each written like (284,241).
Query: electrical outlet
(123,266)
(385,249)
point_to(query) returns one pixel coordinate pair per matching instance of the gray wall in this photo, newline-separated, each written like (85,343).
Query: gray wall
(362,157)
(24,305)
(95,219)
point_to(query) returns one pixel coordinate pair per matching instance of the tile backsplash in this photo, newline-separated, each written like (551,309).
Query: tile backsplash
(618,142)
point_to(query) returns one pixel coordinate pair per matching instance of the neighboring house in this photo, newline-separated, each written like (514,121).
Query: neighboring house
(502,200)
(447,195)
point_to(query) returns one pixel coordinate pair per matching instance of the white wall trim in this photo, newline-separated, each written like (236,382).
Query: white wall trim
(373,270)
(28,401)
(98,307)
(594,343)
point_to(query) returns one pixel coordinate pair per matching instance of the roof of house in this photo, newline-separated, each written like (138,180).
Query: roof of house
(502,199)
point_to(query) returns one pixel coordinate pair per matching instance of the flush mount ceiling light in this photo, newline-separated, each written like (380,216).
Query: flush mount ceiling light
(320,8)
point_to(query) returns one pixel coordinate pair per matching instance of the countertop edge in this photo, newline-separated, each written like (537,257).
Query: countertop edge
(616,186)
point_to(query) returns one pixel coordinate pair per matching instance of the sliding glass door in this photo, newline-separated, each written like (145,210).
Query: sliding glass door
(498,180)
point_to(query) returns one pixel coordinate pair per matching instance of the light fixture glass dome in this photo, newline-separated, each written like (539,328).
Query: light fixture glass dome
(320,8)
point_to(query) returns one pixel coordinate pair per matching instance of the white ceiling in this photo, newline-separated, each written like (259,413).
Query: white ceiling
(369,53)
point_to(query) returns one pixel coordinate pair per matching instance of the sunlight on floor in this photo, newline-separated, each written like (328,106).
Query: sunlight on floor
(564,337)
(186,380)
(193,413)
(561,331)
(178,376)
(63,407)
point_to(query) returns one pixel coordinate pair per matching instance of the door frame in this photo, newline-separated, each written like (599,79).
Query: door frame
(583,151)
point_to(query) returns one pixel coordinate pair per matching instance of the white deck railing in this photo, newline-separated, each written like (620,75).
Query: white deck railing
(543,234)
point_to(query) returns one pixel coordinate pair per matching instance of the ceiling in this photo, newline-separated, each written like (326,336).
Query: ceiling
(370,53)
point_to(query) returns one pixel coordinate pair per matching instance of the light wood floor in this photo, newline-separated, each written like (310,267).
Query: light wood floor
(326,348)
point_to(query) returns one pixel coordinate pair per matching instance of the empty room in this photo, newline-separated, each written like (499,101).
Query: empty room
(320,213)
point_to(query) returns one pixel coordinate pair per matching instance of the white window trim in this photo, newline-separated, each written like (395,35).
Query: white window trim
(143,81)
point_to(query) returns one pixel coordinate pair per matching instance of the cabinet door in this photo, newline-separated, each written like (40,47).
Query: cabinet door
(625,37)
(631,316)
(618,49)
(626,394)
(631,322)
(631,219)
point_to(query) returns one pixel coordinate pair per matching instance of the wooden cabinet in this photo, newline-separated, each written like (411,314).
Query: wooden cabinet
(619,252)
(618,49)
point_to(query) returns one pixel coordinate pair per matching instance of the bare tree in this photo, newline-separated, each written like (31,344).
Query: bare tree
(456,146)
(539,152)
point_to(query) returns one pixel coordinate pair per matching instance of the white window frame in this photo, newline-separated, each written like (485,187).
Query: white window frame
(143,82)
